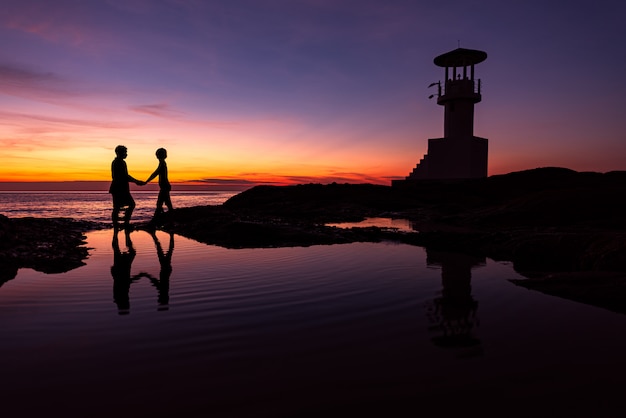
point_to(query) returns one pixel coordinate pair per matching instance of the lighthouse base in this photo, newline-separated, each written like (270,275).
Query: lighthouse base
(453,158)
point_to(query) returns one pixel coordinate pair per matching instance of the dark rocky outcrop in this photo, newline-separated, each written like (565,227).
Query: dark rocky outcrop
(603,289)
(51,245)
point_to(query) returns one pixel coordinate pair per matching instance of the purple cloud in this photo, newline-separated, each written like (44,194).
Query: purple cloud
(159,110)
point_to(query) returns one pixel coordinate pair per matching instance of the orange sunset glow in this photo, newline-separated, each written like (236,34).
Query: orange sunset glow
(299,92)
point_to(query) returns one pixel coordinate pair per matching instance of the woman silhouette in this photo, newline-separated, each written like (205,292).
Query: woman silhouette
(164,185)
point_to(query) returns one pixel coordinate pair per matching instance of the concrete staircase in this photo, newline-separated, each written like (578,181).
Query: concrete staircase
(421,169)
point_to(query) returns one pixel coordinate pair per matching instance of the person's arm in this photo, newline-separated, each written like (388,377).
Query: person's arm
(134,180)
(153,175)
(124,169)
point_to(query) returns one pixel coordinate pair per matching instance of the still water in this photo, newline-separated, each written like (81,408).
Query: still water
(173,327)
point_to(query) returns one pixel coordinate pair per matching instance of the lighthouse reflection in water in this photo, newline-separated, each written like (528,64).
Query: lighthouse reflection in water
(454,314)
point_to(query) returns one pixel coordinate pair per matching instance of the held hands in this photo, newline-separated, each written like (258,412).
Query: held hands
(141,183)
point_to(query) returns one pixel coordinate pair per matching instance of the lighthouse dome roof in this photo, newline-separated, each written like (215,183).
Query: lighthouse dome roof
(460,57)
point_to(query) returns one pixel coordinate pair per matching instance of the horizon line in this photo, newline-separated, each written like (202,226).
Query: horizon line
(103,185)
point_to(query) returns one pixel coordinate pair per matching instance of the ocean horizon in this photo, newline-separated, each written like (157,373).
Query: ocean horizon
(103,186)
(96,205)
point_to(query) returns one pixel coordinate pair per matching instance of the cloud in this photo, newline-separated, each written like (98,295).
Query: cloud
(13,118)
(257,178)
(36,132)
(15,80)
(166,111)
(235,184)
(326,179)
(225,181)
(40,86)
(159,110)
(59,22)
(21,75)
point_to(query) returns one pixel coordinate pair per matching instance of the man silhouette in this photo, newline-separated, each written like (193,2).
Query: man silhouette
(120,189)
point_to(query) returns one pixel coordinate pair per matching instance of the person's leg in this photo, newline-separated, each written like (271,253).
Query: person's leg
(129,212)
(159,206)
(115,215)
(168,201)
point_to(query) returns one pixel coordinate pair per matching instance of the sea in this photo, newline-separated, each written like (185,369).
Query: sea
(96,205)
(155,324)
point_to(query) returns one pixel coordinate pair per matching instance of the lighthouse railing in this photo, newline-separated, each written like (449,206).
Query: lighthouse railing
(461,86)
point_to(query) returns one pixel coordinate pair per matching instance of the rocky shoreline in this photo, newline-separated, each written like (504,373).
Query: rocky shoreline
(52,245)
(564,230)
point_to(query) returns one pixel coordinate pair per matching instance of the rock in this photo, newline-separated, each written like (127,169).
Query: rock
(52,245)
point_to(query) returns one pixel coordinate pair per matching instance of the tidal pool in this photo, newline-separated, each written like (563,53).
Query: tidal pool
(165,326)
(399,224)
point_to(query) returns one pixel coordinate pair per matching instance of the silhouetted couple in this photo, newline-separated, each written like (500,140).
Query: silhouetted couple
(120,188)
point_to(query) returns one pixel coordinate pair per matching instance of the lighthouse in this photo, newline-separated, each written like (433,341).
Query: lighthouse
(459,154)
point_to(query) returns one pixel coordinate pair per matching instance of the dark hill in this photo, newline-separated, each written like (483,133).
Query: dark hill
(540,197)
(319,202)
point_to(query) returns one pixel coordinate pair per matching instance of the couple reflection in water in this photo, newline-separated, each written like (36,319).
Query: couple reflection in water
(121,271)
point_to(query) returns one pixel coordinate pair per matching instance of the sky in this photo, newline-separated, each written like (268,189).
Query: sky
(299,91)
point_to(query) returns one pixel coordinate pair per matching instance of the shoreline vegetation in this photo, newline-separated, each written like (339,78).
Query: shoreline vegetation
(564,231)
